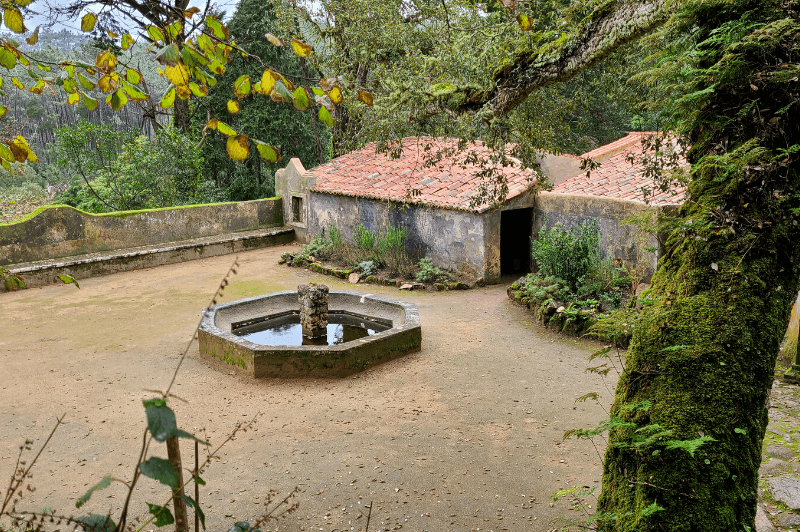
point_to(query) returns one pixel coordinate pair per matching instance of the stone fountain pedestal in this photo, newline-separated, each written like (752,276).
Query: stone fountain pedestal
(313,300)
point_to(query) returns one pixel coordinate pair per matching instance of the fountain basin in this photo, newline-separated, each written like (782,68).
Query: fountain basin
(223,344)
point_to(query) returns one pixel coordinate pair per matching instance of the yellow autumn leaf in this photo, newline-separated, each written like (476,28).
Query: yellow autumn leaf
(13,20)
(177,74)
(365,97)
(233,106)
(336,95)
(302,49)
(33,39)
(225,129)
(183,91)
(127,41)
(17,83)
(268,79)
(108,82)
(238,148)
(73,98)
(88,21)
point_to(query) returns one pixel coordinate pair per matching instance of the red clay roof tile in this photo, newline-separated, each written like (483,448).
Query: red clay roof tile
(617,177)
(451,183)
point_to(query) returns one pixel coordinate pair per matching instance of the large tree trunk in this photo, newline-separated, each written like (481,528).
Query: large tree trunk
(702,359)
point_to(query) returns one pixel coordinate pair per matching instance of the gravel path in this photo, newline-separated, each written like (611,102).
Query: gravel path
(464,435)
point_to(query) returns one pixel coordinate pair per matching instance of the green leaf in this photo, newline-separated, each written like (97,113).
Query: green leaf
(7,59)
(267,152)
(169,55)
(740,431)
(282,91)
(241,87)
(133,92)
(97,523)
(87,84)
(163,515)
(88,21)
(68,279)
(160,419)
(672,348)
(442,89)
(325,116)
(525,22)
(174,29)
(199,480)
(133,76)
(169,98)
(90,103)
(191,502)
(155,34)
(160,470)
(117,99)
(106,482)
(217,28)
(301,99)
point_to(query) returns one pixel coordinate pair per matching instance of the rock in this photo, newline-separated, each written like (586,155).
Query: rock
(354,278)
(772,468)
(641,288)
(763,524)
(788,519)
(440,286)
(780,451)
(407,287)
(561,309)
(786,489)
(418,286)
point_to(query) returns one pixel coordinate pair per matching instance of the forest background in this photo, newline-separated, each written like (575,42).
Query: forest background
(103,160)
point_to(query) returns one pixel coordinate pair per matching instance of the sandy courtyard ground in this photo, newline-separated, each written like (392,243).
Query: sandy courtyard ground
(464,435)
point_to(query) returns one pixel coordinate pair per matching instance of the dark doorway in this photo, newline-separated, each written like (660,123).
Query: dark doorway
(515,241)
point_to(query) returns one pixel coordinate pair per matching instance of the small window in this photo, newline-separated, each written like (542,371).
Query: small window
(297,209)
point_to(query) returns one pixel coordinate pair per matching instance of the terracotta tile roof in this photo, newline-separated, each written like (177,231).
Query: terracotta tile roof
(451,183)
(617,177)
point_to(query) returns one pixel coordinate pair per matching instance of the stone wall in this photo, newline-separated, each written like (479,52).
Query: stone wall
(450,238)
(617,241)
(61,231)
(292,184)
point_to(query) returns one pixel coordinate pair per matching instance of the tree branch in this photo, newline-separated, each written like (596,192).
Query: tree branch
(609,27)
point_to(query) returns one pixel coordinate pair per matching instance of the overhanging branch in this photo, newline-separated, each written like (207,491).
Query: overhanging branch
(609,27)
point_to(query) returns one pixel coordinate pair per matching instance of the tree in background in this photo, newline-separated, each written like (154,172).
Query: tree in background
(294,133)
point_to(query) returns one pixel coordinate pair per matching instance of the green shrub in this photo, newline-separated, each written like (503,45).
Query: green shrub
(569,254)
(319,248)
(428,273)
(367,267)
(364,238)
(335,236)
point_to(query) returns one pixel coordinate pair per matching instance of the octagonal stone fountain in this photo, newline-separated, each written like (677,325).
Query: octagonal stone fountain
(311,332)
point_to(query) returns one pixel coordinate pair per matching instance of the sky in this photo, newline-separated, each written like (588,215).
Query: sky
(74,26)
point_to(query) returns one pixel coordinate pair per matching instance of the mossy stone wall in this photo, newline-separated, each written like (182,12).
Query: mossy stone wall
(60,231)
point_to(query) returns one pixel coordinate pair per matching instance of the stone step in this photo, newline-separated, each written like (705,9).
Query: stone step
(45,272)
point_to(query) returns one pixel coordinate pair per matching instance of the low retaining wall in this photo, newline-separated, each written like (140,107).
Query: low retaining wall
(60,231)
(617,240)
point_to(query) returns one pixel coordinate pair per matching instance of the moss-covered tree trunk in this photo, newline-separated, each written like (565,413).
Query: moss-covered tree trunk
(702,359)
(690,410)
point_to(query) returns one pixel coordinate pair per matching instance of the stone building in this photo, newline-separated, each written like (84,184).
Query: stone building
(433,202)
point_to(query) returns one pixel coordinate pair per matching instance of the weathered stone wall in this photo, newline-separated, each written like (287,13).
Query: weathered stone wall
(62,231)
(292,184)
(616,240)
(450,238)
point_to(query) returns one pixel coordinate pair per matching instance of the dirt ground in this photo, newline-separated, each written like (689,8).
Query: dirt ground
(464,435)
